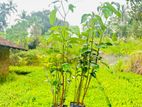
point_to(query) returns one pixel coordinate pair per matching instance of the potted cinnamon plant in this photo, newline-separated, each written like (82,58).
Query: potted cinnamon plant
(60,69)
(90,59)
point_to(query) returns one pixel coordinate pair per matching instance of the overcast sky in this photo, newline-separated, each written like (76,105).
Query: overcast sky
(82,6)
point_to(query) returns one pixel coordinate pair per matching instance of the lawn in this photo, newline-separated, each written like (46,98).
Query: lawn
(32,90)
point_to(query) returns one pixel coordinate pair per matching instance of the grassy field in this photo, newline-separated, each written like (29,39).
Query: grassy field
(32,90)
(124,47)
(27,86)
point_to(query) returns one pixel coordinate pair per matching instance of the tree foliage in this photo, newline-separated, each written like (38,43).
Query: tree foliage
(136,17)
(30,25)
(5,10)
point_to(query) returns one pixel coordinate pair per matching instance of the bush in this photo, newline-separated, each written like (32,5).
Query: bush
(135,62)
(28,58)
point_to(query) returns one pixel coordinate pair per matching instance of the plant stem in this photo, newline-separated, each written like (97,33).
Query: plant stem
(89,81)
(75,91)
(90,77)
(79,88)
(89,62)
(63,8)
(62,96)
(63,78)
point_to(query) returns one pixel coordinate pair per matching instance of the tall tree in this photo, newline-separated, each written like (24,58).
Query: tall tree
(136,17)
(5,10)
(30,25)
(136,9)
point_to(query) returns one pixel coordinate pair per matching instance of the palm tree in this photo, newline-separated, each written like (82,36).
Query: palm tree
(5,10)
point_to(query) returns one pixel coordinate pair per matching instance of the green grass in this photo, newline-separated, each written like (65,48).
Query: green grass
(27,86)
(26,90)
(124,47)
(32,90)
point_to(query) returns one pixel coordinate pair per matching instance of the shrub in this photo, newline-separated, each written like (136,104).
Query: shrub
(28,58)
(135,62)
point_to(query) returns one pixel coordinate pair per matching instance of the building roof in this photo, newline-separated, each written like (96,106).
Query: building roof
(8,44)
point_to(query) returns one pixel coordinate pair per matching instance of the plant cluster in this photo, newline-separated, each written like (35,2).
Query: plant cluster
(88,58)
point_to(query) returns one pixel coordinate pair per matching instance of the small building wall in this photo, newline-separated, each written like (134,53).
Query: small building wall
(4,61)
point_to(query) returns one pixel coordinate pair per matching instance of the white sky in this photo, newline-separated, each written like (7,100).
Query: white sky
(82,6)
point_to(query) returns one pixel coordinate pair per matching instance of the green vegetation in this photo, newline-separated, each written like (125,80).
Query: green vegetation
(124,47)
(123,89)
(96,64)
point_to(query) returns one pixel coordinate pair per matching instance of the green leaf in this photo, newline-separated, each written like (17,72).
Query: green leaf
(75,30)
(95,66)
(99,21)
(116,4)
(116,12)
(107,13)
(85,48)
(85,17)
(108,44)
(74,40)
(52,17)
(108,10)
(53,69)
(55,82)
(93,74)
(65,67)
(84,69)
(71,7)
(85,51)
(104,45)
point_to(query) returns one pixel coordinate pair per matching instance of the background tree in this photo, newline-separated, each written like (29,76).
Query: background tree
(118,26)
(135,28)
(30,27)
(5,10)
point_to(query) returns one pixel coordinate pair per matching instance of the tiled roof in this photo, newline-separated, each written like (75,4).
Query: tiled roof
(8,44)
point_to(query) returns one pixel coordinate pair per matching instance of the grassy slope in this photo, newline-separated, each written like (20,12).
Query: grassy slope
(123,47)
(32,90)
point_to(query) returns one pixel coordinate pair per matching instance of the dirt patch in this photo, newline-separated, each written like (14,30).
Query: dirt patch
(113,59)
